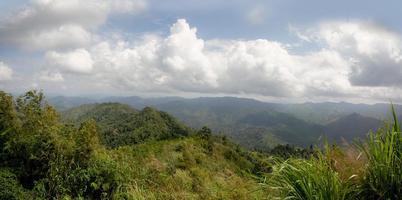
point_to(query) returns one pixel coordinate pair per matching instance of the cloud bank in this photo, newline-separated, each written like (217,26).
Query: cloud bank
(50,24)
(352,59)
(356,60)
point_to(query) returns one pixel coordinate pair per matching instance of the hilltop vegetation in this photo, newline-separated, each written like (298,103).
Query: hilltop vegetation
(120,124)
(44,158)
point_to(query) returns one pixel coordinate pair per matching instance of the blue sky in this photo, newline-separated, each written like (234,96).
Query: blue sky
(228,19)
(276,50)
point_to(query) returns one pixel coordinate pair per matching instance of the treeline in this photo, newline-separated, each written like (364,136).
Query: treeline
(44,158)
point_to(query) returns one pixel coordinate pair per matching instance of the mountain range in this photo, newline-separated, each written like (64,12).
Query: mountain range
(256,124)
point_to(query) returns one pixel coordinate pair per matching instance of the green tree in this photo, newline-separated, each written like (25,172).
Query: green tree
(32,145)
(205,132)
(8,123)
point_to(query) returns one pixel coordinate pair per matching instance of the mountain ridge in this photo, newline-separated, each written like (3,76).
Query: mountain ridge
(254,125)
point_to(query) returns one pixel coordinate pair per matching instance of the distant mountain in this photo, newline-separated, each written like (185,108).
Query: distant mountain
(327,112)
(285,127)
(239,119)
(261,125)
(214,112)
(319,113)
(64,103)
(350,127)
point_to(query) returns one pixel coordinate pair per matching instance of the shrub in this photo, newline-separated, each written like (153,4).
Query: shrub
(10,188)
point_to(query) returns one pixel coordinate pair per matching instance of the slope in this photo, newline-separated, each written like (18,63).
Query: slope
(191,168)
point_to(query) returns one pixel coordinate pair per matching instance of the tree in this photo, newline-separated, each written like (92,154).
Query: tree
(8,123)
(205,132)
(33,145)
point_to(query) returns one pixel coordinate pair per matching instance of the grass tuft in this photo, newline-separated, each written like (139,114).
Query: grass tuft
(383,173)
(313,179)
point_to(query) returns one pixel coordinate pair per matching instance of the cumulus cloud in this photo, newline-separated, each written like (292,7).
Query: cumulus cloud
(186,63)
(366,60)
(374,52)
(354,60)
(77,61)
(6,72)
(49,24)
(63,36)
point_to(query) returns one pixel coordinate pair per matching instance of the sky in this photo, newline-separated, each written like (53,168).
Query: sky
(283,50)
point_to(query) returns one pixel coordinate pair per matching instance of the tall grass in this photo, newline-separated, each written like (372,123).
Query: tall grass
(313,179)
(335,175)
(383,174)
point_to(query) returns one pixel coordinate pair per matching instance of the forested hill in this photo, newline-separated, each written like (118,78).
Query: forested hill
(112,151)
(120,124)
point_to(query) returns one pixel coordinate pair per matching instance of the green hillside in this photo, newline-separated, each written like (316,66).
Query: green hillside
(120,124)
(44,158)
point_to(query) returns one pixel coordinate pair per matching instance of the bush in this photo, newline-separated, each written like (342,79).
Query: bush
(10,188)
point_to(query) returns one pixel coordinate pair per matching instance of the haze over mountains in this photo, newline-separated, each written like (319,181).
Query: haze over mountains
(256,124)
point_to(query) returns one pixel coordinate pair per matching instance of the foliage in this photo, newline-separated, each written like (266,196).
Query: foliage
(10,188)
(374,173)
(383,173)
(288,151)
(44,158)
(314,179)
(122,125)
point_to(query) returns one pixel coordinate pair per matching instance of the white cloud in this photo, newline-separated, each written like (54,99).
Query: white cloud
(376,52)
(49,24)
(6,73)
(63,36)
(354,60)
(77,61)
(183,55)
(183,62)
